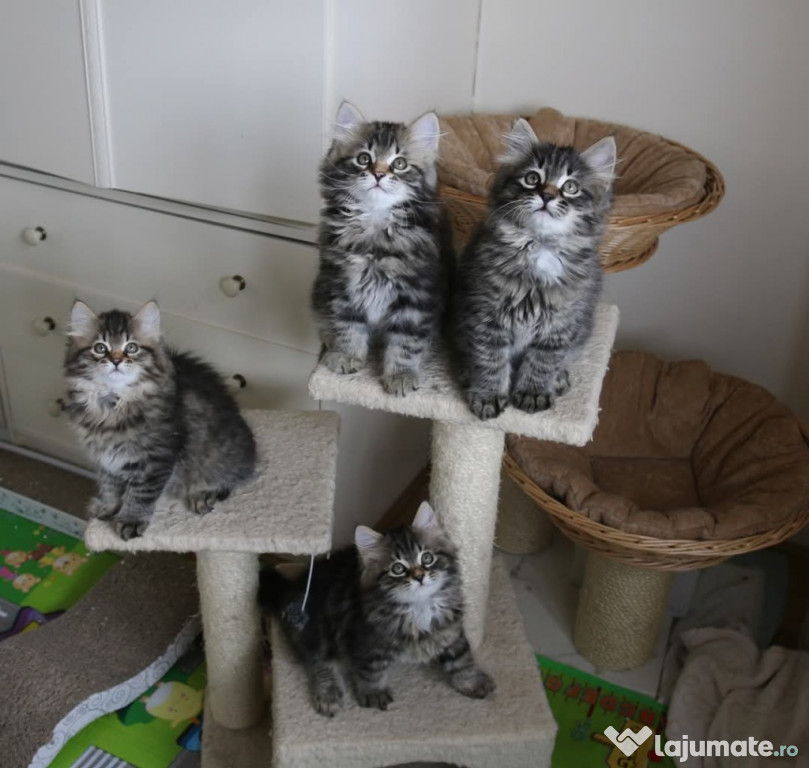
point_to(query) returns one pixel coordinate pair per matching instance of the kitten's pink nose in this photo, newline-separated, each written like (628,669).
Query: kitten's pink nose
(116,358)
(418,574)
(378,176)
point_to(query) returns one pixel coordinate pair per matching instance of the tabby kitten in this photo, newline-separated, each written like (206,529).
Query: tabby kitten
(384,255)
(530,278)
(150,418)
(392,596)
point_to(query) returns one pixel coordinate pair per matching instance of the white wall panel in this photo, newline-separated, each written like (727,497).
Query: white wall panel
(45,119)
(217,103)
(395,60)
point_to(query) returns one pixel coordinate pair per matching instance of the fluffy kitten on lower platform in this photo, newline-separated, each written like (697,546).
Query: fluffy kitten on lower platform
(530,278)
(393,596)
(150,418)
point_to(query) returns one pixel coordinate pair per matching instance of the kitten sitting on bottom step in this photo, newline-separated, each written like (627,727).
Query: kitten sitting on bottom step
(393,596)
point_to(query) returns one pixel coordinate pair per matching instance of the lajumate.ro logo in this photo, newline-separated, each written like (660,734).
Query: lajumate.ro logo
(628,741)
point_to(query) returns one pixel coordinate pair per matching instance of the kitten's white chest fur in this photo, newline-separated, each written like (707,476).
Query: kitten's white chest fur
(370,286)
(545,264)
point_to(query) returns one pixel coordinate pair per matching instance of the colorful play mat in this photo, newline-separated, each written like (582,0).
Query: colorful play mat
(585,706)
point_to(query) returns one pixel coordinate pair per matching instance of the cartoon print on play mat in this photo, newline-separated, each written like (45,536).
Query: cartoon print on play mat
(69,563)
(24,582)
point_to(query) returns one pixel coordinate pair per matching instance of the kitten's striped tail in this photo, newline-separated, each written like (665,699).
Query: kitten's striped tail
(273,591)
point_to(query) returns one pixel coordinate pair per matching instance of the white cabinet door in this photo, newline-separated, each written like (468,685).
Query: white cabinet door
(217,103)
(45,118)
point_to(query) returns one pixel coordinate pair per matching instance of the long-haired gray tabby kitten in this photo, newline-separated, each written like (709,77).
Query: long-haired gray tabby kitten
(383,258)
(392,596)
(529,280)
(150,418)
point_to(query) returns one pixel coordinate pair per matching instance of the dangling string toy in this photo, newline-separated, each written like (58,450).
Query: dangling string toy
(295,612)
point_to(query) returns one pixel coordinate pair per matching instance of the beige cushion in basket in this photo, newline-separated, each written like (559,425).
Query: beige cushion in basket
(654,175)
(679,452)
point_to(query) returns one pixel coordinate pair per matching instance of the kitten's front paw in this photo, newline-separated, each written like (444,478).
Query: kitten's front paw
(477,686)
(400,384)
(101,509)
(202,502)
(377,699)
(486,405)
(562,383)
(531,402)
(328,701)
(129,530)
(342,363)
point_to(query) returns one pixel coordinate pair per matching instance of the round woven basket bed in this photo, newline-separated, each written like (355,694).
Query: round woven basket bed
(660,183)
(686,468)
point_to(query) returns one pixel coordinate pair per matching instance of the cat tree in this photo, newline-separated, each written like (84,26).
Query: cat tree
(287,507)
(428,720)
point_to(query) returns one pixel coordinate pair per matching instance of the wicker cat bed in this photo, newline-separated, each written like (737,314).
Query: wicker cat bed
(686,468)
(660,182)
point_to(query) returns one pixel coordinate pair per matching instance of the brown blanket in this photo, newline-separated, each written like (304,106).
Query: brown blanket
(680,451)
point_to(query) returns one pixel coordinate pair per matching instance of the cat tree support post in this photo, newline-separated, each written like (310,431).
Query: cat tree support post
(464,485)
(467,453)
(286,508)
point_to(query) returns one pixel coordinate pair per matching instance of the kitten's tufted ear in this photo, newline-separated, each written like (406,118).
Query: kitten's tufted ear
(519,141)
(601,158)
(425,517)
(348,119)
(147,322)
(425,133)
(366,538)
(83,321)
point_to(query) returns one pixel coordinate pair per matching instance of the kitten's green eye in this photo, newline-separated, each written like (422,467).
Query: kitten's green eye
(399,164)
(427,558)
(397,569)
(100,349)
(131,348)
(363,158)
(531,179)
(570,187)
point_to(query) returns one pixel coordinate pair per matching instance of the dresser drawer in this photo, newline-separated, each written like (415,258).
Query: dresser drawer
(35,390)
(137,254)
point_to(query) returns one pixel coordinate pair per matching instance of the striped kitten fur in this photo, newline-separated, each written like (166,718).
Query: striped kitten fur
(530,278)
(150,418)
(384,250)
(393,596)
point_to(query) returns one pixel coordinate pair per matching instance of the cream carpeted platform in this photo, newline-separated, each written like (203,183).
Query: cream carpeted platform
(286,507)
(428,720)
(571,420)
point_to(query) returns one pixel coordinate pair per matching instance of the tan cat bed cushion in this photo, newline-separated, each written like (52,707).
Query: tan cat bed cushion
(654,174)
(679,452)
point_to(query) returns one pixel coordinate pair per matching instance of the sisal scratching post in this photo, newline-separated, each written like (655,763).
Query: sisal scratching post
(228,585)
(620,612)
(464,486)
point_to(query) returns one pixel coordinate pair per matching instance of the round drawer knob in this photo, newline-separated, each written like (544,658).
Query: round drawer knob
(232,286)
(34,235)
(55,407)
(236,382)
(43,325)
